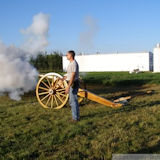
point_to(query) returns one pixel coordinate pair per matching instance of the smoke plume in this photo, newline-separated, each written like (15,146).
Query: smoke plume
(17,75)
(36,34)
(87,36)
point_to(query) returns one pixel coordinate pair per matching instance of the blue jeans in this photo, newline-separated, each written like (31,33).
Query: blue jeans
(73,101)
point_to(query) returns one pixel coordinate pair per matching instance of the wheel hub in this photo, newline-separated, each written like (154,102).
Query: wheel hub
(52,91)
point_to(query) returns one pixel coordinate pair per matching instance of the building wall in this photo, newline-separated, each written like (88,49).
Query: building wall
(156,58)
(113,62)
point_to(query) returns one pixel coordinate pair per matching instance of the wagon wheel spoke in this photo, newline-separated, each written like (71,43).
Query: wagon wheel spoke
(55,100)
(44,97)
(59,98)
(48,81)
(53,81)
(64,95)
(42,93)
(60,85)
(56,81)
(43,88)
(62,89)
(45,84)
(48,100)
(62,92)
(52,101)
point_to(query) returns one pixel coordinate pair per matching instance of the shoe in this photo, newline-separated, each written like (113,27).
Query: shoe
(73,121)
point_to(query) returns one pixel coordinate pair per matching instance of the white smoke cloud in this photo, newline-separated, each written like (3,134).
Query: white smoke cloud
(37,33)
(17,75)
(87,37)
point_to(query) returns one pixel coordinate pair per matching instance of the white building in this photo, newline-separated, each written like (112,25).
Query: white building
(156,58)
(143,61)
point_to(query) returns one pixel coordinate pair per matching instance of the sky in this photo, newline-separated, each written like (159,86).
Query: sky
(87,26)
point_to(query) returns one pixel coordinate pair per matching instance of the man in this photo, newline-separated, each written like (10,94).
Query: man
(72,77)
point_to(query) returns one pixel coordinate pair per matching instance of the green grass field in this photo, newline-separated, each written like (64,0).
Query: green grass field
(27,131)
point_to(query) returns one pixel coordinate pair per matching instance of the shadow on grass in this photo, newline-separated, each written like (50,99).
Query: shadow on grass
(125,108)
(134,94)
(101,89)
(153,149)
(118,82)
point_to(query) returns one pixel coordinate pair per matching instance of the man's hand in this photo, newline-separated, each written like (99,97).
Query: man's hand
(64,78)
(67,90)
(60,80)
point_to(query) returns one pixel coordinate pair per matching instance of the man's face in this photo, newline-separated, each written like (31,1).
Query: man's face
(69,56)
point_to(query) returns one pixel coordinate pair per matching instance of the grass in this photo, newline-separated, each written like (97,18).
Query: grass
(27,131)
(121,78)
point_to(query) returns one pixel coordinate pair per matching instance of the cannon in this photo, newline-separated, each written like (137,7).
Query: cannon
(50,92)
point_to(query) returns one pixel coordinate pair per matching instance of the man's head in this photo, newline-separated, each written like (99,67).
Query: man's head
(70,55)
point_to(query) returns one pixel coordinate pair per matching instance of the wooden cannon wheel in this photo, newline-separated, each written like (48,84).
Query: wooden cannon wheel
(50,91)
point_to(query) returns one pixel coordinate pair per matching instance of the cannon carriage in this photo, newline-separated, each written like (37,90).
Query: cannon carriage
(50,92)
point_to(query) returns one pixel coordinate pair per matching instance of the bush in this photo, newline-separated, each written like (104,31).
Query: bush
(48,62)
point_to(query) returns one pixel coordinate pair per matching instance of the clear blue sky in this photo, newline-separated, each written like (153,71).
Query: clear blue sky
(123,25)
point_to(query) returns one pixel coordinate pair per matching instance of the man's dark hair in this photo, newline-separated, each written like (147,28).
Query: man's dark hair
(72,53)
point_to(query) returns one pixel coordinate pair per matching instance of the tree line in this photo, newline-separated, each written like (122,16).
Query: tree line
(48,62)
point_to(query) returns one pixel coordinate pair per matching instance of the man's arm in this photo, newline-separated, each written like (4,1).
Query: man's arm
(70,82)
(72,79)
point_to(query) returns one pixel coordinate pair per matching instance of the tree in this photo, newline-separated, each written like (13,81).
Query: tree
(50,62)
